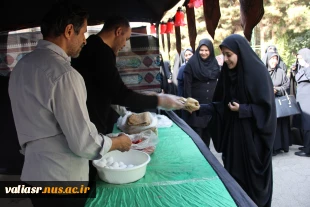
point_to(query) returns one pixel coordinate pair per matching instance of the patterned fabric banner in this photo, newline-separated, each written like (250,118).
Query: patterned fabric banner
(138,65)
(140,72)
(13,47)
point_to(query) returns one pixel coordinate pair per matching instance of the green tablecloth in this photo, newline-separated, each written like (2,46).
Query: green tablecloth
(178,175)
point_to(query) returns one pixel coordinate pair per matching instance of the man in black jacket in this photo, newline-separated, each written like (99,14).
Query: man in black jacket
(97,65)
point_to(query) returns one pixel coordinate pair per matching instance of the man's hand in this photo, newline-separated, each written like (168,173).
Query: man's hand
(169,102)
(122,143)
(275,91)
(234,106)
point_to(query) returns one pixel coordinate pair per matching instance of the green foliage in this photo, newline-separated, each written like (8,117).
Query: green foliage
(285,24)
(295,42)
(283,48)
(300,40)
(229,22)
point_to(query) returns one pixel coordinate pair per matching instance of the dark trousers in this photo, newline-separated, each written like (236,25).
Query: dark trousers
(92,171)
(56,200)
(204,134)
(306,135)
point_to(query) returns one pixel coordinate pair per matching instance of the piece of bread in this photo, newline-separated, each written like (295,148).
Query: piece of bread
(141,119)
(191,105)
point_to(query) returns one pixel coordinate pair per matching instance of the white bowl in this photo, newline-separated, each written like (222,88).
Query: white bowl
(120,176)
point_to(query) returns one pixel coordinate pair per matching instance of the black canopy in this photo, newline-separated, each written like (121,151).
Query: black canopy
(15,15)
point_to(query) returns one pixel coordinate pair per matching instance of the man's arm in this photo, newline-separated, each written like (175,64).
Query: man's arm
(69,107)
(123,96)
(112,86)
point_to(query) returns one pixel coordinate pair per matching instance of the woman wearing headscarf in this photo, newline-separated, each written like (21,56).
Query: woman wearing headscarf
(165,74)
(200,78)
(188,53)
(281,84)
(273,48)
(179,60)
(243,120)
(302,77)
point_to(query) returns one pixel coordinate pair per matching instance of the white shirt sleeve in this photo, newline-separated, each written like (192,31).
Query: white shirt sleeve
(69,106)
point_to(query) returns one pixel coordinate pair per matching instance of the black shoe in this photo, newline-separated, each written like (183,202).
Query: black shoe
(276,152)
(301,148)
(302,154)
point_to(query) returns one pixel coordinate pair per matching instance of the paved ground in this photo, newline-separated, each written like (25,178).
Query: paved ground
(291,181)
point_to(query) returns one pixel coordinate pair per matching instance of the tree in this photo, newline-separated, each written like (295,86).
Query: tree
(285,24)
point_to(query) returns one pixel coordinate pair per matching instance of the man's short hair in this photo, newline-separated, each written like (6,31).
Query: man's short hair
(60,16)
(115,22)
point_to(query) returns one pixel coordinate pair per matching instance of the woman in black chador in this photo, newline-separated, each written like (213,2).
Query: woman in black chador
(302,77)
(243,120)
(281,84)
(200,78)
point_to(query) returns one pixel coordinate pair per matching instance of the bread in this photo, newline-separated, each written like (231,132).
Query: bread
(191,104)
(141,119)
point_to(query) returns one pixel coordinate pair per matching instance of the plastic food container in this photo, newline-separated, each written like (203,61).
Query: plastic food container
(121,176)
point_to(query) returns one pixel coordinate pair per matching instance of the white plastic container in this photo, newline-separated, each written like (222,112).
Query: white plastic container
(121,176)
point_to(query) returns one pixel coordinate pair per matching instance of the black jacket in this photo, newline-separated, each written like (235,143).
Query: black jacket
(104,85)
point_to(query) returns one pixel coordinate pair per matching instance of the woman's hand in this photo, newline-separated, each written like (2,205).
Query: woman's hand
(234,106)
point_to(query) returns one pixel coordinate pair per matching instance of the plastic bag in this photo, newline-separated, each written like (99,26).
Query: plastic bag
(163,121)
(145,141)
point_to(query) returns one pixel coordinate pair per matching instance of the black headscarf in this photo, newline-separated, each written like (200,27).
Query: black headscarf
(254,81)
(273,47)
(253,137)
(203,69)
(184,51)
(176,68)
(278,76)
(281,64)
(305,53)
(182,57)
(165,75)
(272,71)
(269,56)
(178,62)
